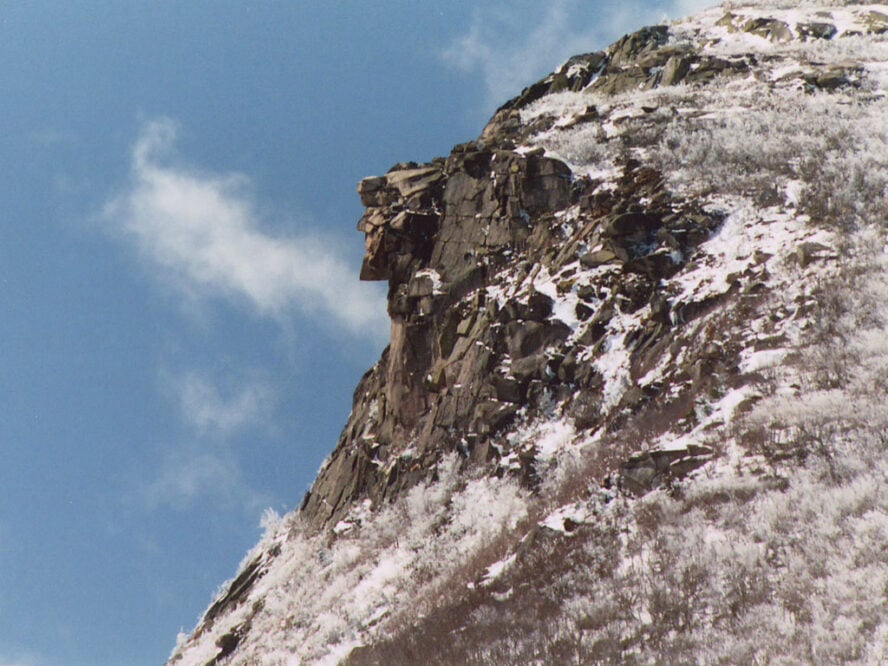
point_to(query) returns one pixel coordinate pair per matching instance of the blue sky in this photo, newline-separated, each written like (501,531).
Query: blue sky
(182,324)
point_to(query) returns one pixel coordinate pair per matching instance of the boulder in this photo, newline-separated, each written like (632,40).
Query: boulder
(410,181)
(545,185)
(599,257)
(709,67)
(227,644)
(834,77)
(370,191)
(816,30)
(583,311)
(529,367)
(585,410)
(580,69)
(728,21)
(491,415)
(627,224)
(536,307)
(657,265)
(675,70)
(769,28)
(507,389)
(421,284)
(529,337)
(643,472)
(808,252)
(631,46)
(876,22)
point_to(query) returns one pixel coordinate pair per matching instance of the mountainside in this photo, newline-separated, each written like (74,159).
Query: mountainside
(633,408)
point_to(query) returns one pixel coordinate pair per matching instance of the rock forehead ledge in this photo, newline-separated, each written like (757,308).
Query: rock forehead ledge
(453,213)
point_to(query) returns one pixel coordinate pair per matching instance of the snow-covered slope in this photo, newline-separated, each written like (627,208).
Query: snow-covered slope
(633,409)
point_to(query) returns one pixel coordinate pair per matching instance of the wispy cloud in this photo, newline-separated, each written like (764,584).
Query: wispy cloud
(219,411)
(688,7)
(50,137)
(511,45)
(204,232)
(24,658)
(499,47)
(190,473)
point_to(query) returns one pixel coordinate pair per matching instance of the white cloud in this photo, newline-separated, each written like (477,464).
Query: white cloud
(203,231)
(206,465)
(211,410)
(23,660)
(689,7)
(508,57)
(512,45)
(189,473)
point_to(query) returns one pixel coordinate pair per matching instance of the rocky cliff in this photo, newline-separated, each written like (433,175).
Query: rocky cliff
(479,249)
(597,308)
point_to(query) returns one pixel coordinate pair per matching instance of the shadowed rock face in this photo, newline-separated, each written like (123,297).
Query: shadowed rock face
(438,233)
(461,365)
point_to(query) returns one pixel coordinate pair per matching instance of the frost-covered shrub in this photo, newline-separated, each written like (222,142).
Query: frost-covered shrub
(732,570)
(582,146)
(833,147)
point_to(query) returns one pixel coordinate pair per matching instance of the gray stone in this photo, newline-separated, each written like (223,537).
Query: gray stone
(807,252)
(410,181)
(631,46)
(876,22)
(769,28)
(370,190)
(816,30)
(677,67)
(421,285)
(645,471)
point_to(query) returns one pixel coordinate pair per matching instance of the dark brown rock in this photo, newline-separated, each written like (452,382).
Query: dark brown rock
(529,367)
(526,338)
(586,409)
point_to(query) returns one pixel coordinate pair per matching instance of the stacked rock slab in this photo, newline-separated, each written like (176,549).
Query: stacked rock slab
(438,233)
(461,365)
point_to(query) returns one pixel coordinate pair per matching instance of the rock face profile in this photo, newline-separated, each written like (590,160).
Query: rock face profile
(465,360)
(631,407)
